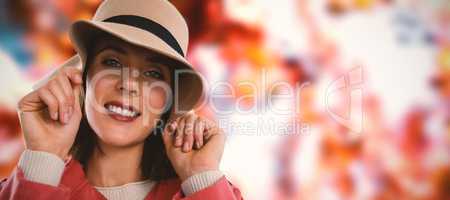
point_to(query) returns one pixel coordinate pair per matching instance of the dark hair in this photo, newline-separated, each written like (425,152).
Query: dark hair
(155,164)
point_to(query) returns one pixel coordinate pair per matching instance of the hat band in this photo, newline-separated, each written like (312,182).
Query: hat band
(149,26)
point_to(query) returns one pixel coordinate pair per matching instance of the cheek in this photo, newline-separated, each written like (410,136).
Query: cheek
(96,91)
(156,99)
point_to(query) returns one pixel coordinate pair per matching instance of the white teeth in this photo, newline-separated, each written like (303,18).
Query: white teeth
(121,111)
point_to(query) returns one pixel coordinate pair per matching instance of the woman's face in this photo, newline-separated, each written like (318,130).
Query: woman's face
(126,91)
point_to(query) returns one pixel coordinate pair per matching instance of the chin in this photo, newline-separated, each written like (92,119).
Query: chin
(117,140)
(116,133)
(119,136)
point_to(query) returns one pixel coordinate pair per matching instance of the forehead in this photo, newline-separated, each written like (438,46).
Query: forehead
(117,45)
(114,43)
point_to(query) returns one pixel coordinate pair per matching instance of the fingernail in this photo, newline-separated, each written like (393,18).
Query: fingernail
(186,147)
(55,116)
(66,117)
(197,144)
(173,126)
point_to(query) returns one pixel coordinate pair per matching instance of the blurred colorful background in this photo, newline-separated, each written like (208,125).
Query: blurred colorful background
(392,56)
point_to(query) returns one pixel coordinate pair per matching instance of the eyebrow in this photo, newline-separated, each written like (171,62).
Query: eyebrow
(155,58)
(158,59)
(114,48)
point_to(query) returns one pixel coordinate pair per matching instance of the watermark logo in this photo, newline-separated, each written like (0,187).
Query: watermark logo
(349,88)
(274,106)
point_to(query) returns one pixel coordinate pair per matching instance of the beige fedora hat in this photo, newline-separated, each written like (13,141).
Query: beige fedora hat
(153,24)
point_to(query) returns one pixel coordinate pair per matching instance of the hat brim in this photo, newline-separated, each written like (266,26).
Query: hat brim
(189,84)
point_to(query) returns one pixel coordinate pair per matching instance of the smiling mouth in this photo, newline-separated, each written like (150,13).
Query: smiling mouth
(120,111)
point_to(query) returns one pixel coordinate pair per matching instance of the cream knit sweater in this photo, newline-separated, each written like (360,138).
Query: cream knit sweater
(47,168)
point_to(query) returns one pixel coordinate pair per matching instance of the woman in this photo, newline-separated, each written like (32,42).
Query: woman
(129,135)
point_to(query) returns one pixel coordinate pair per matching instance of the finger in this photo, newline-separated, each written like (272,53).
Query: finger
(74,74)
(31,102)
(210,128)
(199,129)
(179,132)
(64,83)
(63,105)
(77,106)
(188,139)
(216,141)
(52,103)
(168,134)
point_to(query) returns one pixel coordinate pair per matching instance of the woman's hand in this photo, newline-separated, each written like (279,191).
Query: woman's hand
(189,132)
(50,116)
(206,157)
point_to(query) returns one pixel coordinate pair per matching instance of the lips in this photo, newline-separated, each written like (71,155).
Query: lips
(121,112)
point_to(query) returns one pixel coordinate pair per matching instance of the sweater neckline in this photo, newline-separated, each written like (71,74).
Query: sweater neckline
(133,191)
(124,185)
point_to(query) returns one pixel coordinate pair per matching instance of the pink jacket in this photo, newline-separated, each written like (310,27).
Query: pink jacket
(74,185)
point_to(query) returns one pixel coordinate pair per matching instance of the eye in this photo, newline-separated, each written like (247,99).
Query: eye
(153,74)
(111,62)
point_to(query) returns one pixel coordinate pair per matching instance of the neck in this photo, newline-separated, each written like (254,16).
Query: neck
(113,166)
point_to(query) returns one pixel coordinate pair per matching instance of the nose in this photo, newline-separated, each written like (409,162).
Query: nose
(129,83)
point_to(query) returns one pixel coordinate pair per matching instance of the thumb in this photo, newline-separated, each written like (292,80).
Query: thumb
(31,102)
(79,97)
(167,134)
